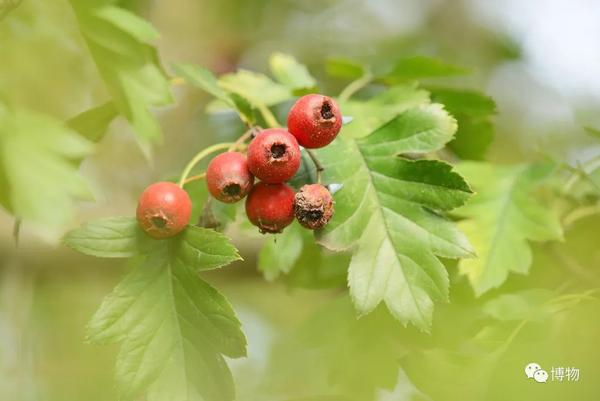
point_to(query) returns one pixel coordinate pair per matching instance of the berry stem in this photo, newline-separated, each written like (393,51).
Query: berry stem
(243,138)
(317,164)
(201,155)
(194,178)
(355,86)
(268,116)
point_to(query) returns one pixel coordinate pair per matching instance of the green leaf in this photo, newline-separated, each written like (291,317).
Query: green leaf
(303,263)
(119,237)
(257,88)
(289,72)
(203,79)
(502,218)
(378,110)
(174,330)
(524,305)
(135,26)
(115,237)
(118,42)
(338,354)
(343,68)
(39,178)
(385,212)
(473,111)
(420,67)
(93,123)
(281,252)
(204,249)
(173,327)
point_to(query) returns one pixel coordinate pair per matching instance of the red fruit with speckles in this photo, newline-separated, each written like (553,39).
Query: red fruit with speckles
(164,209)
(315,121)
(313,206)
(274,156)
(270,207)
(228,178)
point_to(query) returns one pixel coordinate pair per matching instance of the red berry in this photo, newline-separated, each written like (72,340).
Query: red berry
(315,121)
(164,209)
(270,207)
(274,155)
(313,206)
(228,178)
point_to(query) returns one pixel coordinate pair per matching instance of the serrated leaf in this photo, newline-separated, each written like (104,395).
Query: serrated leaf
(502,218)
(280,252)
(295,255)
(203,79)
(472,103)
(137,27)
(420,67)
(257,88)
(289,72)
(385,212)
(119,237)
(118,42)
(115,237)
(93,123)
(371,114)
(473,111)
(39,178)
(173,327)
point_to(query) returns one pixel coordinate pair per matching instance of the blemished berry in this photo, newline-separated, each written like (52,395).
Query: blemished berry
(228,178)
(164,209)
(313,206)
(315,121)
(274,156)
(270,207)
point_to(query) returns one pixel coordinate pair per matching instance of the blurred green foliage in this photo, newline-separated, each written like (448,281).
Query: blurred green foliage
(302,344)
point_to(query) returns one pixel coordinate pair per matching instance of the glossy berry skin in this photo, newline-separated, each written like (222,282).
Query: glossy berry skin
(270,207)
(315,121)
(164,209)
(313,206)
(274,156)
(228,178)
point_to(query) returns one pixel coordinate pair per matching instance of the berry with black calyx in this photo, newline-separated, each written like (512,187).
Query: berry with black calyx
(313,206)
(228,178)
(274,155)
(315,120)
(270,207)
(163,210)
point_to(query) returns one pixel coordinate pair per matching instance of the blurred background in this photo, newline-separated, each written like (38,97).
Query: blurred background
(538,59)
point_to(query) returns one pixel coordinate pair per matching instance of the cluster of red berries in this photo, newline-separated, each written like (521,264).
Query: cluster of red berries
(273,157)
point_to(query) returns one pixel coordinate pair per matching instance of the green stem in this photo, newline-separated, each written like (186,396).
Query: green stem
(201,155)
(355,86)
(318,166)
(268,116)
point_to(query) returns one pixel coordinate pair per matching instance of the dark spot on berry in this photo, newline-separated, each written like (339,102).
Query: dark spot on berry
(278,150)
(159,222)
(314,215)
(232,190)
(326,112)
